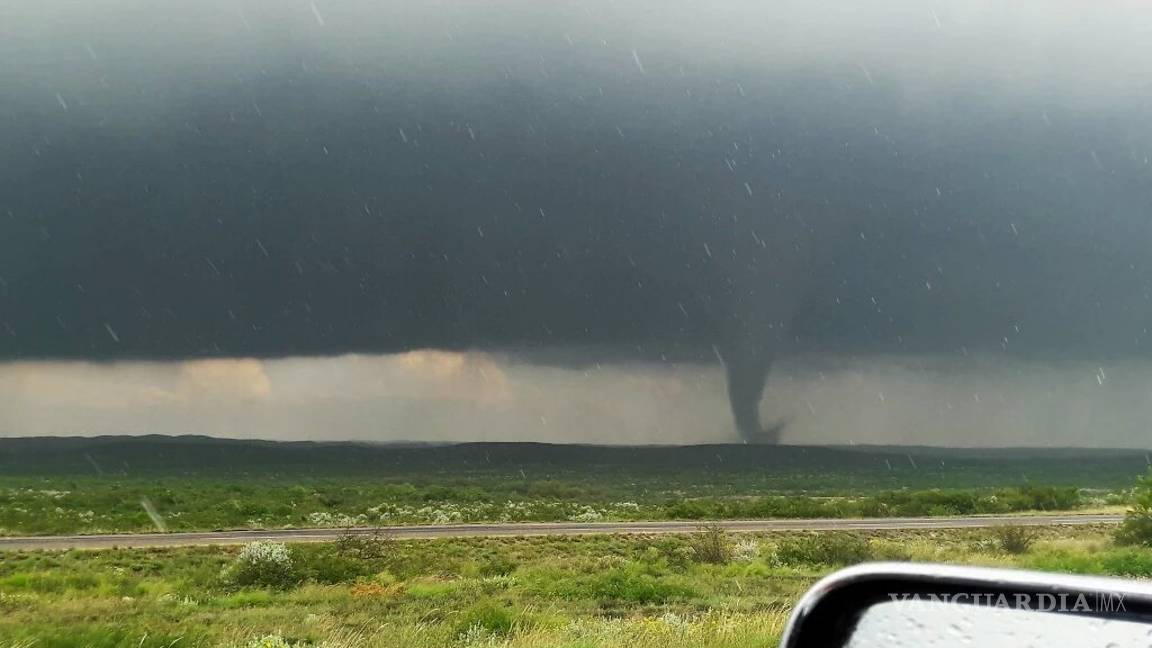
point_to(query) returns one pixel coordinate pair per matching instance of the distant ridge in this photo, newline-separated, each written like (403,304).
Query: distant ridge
(142,455)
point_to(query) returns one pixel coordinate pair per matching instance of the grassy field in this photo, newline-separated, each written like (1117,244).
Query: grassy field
(142,484)
(704,589)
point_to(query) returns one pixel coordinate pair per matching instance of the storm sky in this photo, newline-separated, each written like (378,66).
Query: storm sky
(596,202)
(447,396)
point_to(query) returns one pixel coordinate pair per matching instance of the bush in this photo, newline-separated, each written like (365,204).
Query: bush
(372,546)
(264,564)
(487,616)
(631,585)
(883,504)
(1064,560)
(1128,562)
(889,550)
(746,550)
(351,557)
(710,545)
(823,549)
(1136,529)
(497,566)
(1042,498)
(672,550)
(323,564)
(690,510)
(1013,538)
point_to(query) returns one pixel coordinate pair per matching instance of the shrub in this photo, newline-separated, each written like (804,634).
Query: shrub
(264,564)
(365,546)
(889,550)
(323,564)
(1129,562)
(631,585)
(670,549)
(746,550)
(710,545)
(1064,560)
(1013,538)
(497,566)
(1042,498)
(351,557)
(823,549)
(691,510)
(1136,529)
(486,616)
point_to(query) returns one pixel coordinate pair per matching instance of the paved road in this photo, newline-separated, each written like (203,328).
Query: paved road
(538,529)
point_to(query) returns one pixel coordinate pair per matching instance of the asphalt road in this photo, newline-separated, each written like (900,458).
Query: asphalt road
(538,529)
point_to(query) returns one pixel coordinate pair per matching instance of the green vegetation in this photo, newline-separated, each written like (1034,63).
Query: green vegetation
(264,564)
(833,549)
(53,486)
(1014,539)
(93,505)
(524,592)
(710,588)
(1137,526)
(711,545)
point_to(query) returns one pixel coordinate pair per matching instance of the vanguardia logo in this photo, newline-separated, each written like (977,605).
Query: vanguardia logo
(1112,602)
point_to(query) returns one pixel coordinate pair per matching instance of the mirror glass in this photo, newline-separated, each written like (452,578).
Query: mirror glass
(939,624)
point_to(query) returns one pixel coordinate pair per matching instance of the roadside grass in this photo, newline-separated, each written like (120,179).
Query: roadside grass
(28,506)
(711,588)
(68,485)
(526,591)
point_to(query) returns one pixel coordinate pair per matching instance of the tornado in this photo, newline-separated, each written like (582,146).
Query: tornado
(863,179)
(747,375)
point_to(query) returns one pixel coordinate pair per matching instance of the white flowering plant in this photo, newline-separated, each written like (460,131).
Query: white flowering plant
(264,564)
(746,550)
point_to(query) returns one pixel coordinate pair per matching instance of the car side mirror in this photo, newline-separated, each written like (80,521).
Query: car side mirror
(912,605)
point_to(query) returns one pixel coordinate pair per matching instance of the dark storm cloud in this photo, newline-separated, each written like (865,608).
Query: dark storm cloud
(651,179)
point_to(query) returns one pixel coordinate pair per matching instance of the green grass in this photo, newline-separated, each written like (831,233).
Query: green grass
(105,504)
(531,592)
(104,485)
(705,589)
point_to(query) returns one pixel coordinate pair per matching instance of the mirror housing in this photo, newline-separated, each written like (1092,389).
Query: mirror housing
(828,615)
